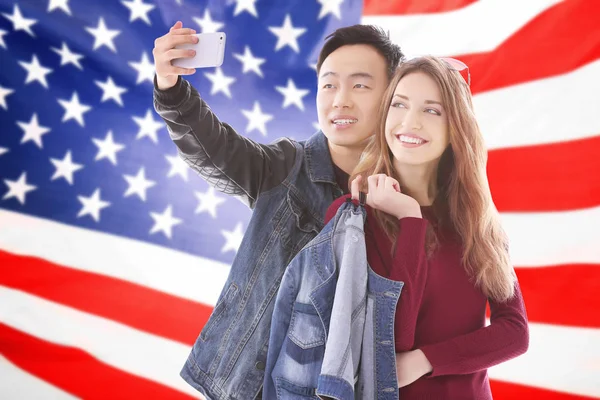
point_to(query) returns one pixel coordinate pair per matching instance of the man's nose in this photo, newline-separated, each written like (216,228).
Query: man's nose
(342,99)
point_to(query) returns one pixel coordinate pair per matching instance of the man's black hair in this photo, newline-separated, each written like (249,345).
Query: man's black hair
(363,34)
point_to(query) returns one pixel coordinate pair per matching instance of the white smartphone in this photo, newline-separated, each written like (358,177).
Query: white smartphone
(210,51)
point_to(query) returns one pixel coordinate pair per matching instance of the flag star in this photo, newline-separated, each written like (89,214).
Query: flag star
(207,23)
(2,33)
(65,168)
(148,126)
(108,148)
(209,201)
(138,184)
(164,222)
(245,5)
(178,167)
(19,22)
(4,92)
(220,82)
(92,205)
(249,62)
(19,188)
(3,150)
(103,36)
(316,126)
(144,68)
(287,35)
(62,4)
(138,9)
(330,7)
(256,119)
(67,56)
(33,131)
(292,95)
(233,239)
(35,71)
(74,109)
(110,91)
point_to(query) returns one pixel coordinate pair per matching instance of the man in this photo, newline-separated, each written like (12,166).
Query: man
(288,184)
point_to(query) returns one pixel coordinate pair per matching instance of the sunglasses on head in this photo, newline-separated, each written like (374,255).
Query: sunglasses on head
(457,65)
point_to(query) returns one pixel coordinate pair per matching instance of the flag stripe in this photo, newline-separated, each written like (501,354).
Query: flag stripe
(552,177)
(18,384)
(378,7)
(108,341)
(479,28)
(77,372)
(141,308)
(506,390)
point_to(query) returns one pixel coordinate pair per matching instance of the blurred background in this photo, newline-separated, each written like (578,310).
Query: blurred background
(113,252)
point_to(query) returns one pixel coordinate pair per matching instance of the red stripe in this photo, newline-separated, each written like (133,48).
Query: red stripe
(551,177)
(134,305)
(559,40)
(513,391)
(395,7)
(75,371)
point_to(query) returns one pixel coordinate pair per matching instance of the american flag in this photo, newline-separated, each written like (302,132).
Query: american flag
(112,252)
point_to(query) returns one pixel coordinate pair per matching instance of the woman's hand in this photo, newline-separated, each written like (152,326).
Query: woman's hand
(410,366)
(384,194)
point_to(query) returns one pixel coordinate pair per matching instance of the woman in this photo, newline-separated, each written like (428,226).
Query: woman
(431,223)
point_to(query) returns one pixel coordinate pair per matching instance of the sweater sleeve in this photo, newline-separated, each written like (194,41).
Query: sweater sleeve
(505,338)
(409,266)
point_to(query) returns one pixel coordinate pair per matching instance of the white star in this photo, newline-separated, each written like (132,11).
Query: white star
(164,222)
(316,126)
(67,56)
(65,168)
(292,95)
(138,184)
(74,109)
(287,35)
(178,167)
(4,92)
(220,82)
(207,24)
(144,68)
(19,188)
(2,33)
(103,36)
(208,201)
(92,205)
(245,5)
(35,71)
(138,9)
(256,119)
(110,91)
(148,126)
(107,148)
(33,131)
(62,4)
(19,22)
(3,150)
(330,7)
(249,62)
(233,239)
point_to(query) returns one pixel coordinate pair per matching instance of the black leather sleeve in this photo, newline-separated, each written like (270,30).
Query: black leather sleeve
(232,163)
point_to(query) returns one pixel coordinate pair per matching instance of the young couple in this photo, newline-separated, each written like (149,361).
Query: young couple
(407,137)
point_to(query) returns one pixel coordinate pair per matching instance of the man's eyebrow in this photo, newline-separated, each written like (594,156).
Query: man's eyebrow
(354,75)
(426,101)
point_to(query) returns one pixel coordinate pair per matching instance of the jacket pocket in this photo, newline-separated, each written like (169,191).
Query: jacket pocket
(301,226)
(219,311)
(287,390)
(306,329)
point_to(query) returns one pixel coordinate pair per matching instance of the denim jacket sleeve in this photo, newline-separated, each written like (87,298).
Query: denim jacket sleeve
(230,162)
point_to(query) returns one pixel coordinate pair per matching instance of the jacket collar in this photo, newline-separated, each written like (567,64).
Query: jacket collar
(318,159)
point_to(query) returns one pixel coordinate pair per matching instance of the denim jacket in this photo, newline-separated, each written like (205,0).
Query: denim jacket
(332,327)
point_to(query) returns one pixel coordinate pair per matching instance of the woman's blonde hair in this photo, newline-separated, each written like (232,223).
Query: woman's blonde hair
(463,199)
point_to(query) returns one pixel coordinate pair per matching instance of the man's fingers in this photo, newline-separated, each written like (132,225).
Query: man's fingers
(177,25)
(182,31)
(179,53)
(182,71)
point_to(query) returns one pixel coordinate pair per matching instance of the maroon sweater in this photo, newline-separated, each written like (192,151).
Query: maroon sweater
(441,312)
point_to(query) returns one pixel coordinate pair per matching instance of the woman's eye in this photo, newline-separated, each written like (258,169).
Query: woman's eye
(398,105)
(433,111)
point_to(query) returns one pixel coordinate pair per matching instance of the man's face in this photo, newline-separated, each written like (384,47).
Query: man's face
(351,83)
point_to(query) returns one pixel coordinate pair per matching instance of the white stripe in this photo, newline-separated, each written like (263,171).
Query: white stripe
(115,344)
(553,238)
(565,359)
(157,267)
(549,110)
(479,27)
(18,384)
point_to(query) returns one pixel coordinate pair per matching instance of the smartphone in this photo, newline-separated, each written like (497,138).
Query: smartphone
(210,51)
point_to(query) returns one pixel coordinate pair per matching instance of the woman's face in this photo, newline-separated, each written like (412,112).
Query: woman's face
(416,127)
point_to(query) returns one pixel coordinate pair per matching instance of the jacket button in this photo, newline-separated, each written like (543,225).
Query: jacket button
(260,365)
